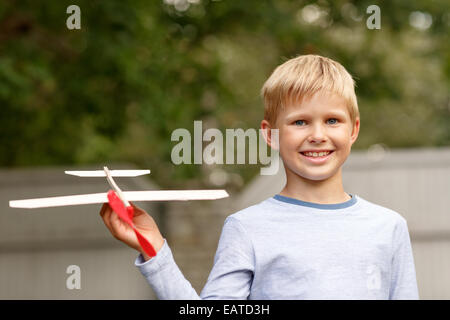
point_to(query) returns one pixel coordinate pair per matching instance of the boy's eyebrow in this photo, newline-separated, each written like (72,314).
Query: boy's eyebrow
(299,114)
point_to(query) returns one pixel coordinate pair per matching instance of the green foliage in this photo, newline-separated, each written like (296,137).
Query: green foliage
(137,70)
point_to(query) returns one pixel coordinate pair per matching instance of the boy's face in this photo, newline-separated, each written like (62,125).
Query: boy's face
(319,124)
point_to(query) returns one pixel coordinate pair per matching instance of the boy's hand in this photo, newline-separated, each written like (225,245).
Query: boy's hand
(123,232)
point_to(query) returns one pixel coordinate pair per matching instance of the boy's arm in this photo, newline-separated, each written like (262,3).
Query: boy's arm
(230,278)
(164,276)
(403,278)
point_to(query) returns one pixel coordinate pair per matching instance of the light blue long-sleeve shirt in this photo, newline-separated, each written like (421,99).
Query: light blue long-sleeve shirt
(284,248)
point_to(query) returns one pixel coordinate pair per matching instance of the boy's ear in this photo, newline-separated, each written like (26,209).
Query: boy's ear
(355,130)
(270,134)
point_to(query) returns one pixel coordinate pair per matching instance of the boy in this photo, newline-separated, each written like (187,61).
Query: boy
(313,240)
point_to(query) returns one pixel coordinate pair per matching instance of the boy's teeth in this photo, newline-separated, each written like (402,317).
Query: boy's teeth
(316,154)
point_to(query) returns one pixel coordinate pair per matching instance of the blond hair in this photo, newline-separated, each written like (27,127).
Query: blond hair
(304,76)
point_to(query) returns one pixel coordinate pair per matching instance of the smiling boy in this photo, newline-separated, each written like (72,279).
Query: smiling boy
(312,240)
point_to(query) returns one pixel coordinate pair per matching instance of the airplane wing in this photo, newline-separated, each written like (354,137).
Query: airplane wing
(114,173)
(153,195)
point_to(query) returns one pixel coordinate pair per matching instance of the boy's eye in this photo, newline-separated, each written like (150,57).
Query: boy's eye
(330,121)
(333,120)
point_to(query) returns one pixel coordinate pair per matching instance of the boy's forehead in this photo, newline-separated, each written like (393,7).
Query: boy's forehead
(318,102)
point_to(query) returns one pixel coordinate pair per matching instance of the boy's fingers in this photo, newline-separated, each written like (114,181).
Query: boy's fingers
(112,221)
(135,206)
(106,217)
(115,223)
(137,209)
(103,209)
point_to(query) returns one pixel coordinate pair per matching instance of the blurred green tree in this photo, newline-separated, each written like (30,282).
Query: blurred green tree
(137,70)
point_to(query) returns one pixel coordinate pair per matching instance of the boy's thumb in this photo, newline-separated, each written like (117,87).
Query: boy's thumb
(136,208)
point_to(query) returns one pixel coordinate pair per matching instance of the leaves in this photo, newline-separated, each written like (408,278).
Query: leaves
(137,70)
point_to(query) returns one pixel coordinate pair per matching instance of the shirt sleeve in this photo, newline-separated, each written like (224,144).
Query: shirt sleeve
(230,277)
(164,276)
(234,264)
(403,279)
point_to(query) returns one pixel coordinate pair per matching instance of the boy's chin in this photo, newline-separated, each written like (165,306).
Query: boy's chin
(317,178)
(313,177)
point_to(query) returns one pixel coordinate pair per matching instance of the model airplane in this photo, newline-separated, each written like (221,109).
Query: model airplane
(118,199)
(153,195)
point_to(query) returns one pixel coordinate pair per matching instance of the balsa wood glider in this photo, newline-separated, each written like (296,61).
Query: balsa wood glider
(92,198)
(118,199)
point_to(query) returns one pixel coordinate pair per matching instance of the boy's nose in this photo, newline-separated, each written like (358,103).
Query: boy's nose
(317,134)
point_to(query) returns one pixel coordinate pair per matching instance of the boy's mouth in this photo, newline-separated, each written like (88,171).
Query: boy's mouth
(316,153)
(317,156)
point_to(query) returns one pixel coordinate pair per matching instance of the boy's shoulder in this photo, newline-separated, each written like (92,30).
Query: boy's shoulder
(381,211)
(362,207)
(256,211)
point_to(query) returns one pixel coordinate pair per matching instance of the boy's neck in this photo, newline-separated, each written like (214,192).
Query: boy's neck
(328,191)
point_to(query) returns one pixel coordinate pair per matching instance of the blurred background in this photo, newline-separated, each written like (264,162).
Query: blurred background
(112,93)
